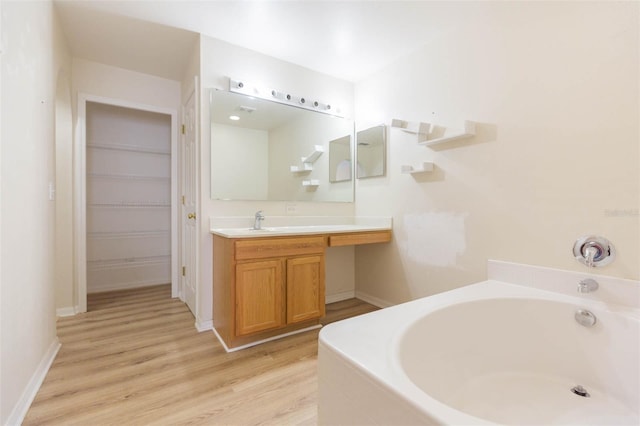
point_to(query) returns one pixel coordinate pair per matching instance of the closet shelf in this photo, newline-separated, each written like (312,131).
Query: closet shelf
(129,148)
(106,264)
(130,205)
(424,168)
(125,235)
(469,132)
(128,177)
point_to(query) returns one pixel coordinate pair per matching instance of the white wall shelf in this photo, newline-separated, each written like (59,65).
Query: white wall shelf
(304,168)
(318,150)
(418,128)
(424,130)
(311,183)
(469,132)
(426,167)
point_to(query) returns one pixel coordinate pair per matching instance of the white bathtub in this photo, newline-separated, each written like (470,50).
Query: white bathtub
(492,352)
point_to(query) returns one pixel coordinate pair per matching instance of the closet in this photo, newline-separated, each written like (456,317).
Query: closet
(128,179)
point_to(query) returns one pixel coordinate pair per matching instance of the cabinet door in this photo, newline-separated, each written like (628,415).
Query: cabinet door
(259,296)
(305,288)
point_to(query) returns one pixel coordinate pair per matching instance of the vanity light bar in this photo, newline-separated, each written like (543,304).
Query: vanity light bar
(238,86)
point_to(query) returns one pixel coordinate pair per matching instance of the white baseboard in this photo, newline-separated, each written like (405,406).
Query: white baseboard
(380,303)
(67,311)
(269,339)
(204,326)
(337,297)
(22,406)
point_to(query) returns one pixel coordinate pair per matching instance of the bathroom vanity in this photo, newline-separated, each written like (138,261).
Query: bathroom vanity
(271,283)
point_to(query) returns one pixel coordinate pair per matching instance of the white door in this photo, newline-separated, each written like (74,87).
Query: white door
(188,216)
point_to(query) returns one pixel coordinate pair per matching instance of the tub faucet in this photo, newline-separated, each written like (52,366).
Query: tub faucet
(591,252)
(257,223)
(587,285)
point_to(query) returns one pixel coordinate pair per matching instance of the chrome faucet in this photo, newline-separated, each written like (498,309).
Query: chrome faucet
(587,285)
(591,252)
(257,224)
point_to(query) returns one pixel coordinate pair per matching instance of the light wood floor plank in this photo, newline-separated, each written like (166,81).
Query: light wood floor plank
(136,359)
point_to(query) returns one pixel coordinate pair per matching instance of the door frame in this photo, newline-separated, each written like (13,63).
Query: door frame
(80,192)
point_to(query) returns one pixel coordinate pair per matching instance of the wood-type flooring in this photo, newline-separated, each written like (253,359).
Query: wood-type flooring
(135,358)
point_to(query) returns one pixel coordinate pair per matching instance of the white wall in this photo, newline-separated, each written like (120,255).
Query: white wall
(555,86)
(33,55)
(64,288)
(118,83)
(218,62)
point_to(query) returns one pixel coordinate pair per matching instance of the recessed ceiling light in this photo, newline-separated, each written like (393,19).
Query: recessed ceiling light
(234,117)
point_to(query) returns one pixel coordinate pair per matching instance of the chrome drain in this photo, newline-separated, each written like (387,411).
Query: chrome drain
(580,391)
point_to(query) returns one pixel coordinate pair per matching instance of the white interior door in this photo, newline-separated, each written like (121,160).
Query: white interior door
(188,217)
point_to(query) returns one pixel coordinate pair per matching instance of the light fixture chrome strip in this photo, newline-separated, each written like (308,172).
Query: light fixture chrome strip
(239,86)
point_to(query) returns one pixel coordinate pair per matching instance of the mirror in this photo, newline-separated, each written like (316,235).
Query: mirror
(267,151)
(372,150)
(340,159)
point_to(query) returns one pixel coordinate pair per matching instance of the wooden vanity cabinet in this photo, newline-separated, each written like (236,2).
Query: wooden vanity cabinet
(267,286)
(259,296)
(305,288)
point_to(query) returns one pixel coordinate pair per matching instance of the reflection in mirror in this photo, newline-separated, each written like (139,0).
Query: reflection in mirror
(340,159)
(267,151)
(371,152)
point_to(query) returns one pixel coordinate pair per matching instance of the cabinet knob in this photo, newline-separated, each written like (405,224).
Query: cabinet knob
(191,216)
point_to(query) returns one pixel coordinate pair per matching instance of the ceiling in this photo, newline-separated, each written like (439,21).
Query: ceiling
(345,39)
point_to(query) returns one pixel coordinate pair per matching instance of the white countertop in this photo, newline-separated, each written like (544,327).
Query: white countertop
(233,227)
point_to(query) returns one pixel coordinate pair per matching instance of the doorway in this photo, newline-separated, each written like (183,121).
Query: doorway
(126,197)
